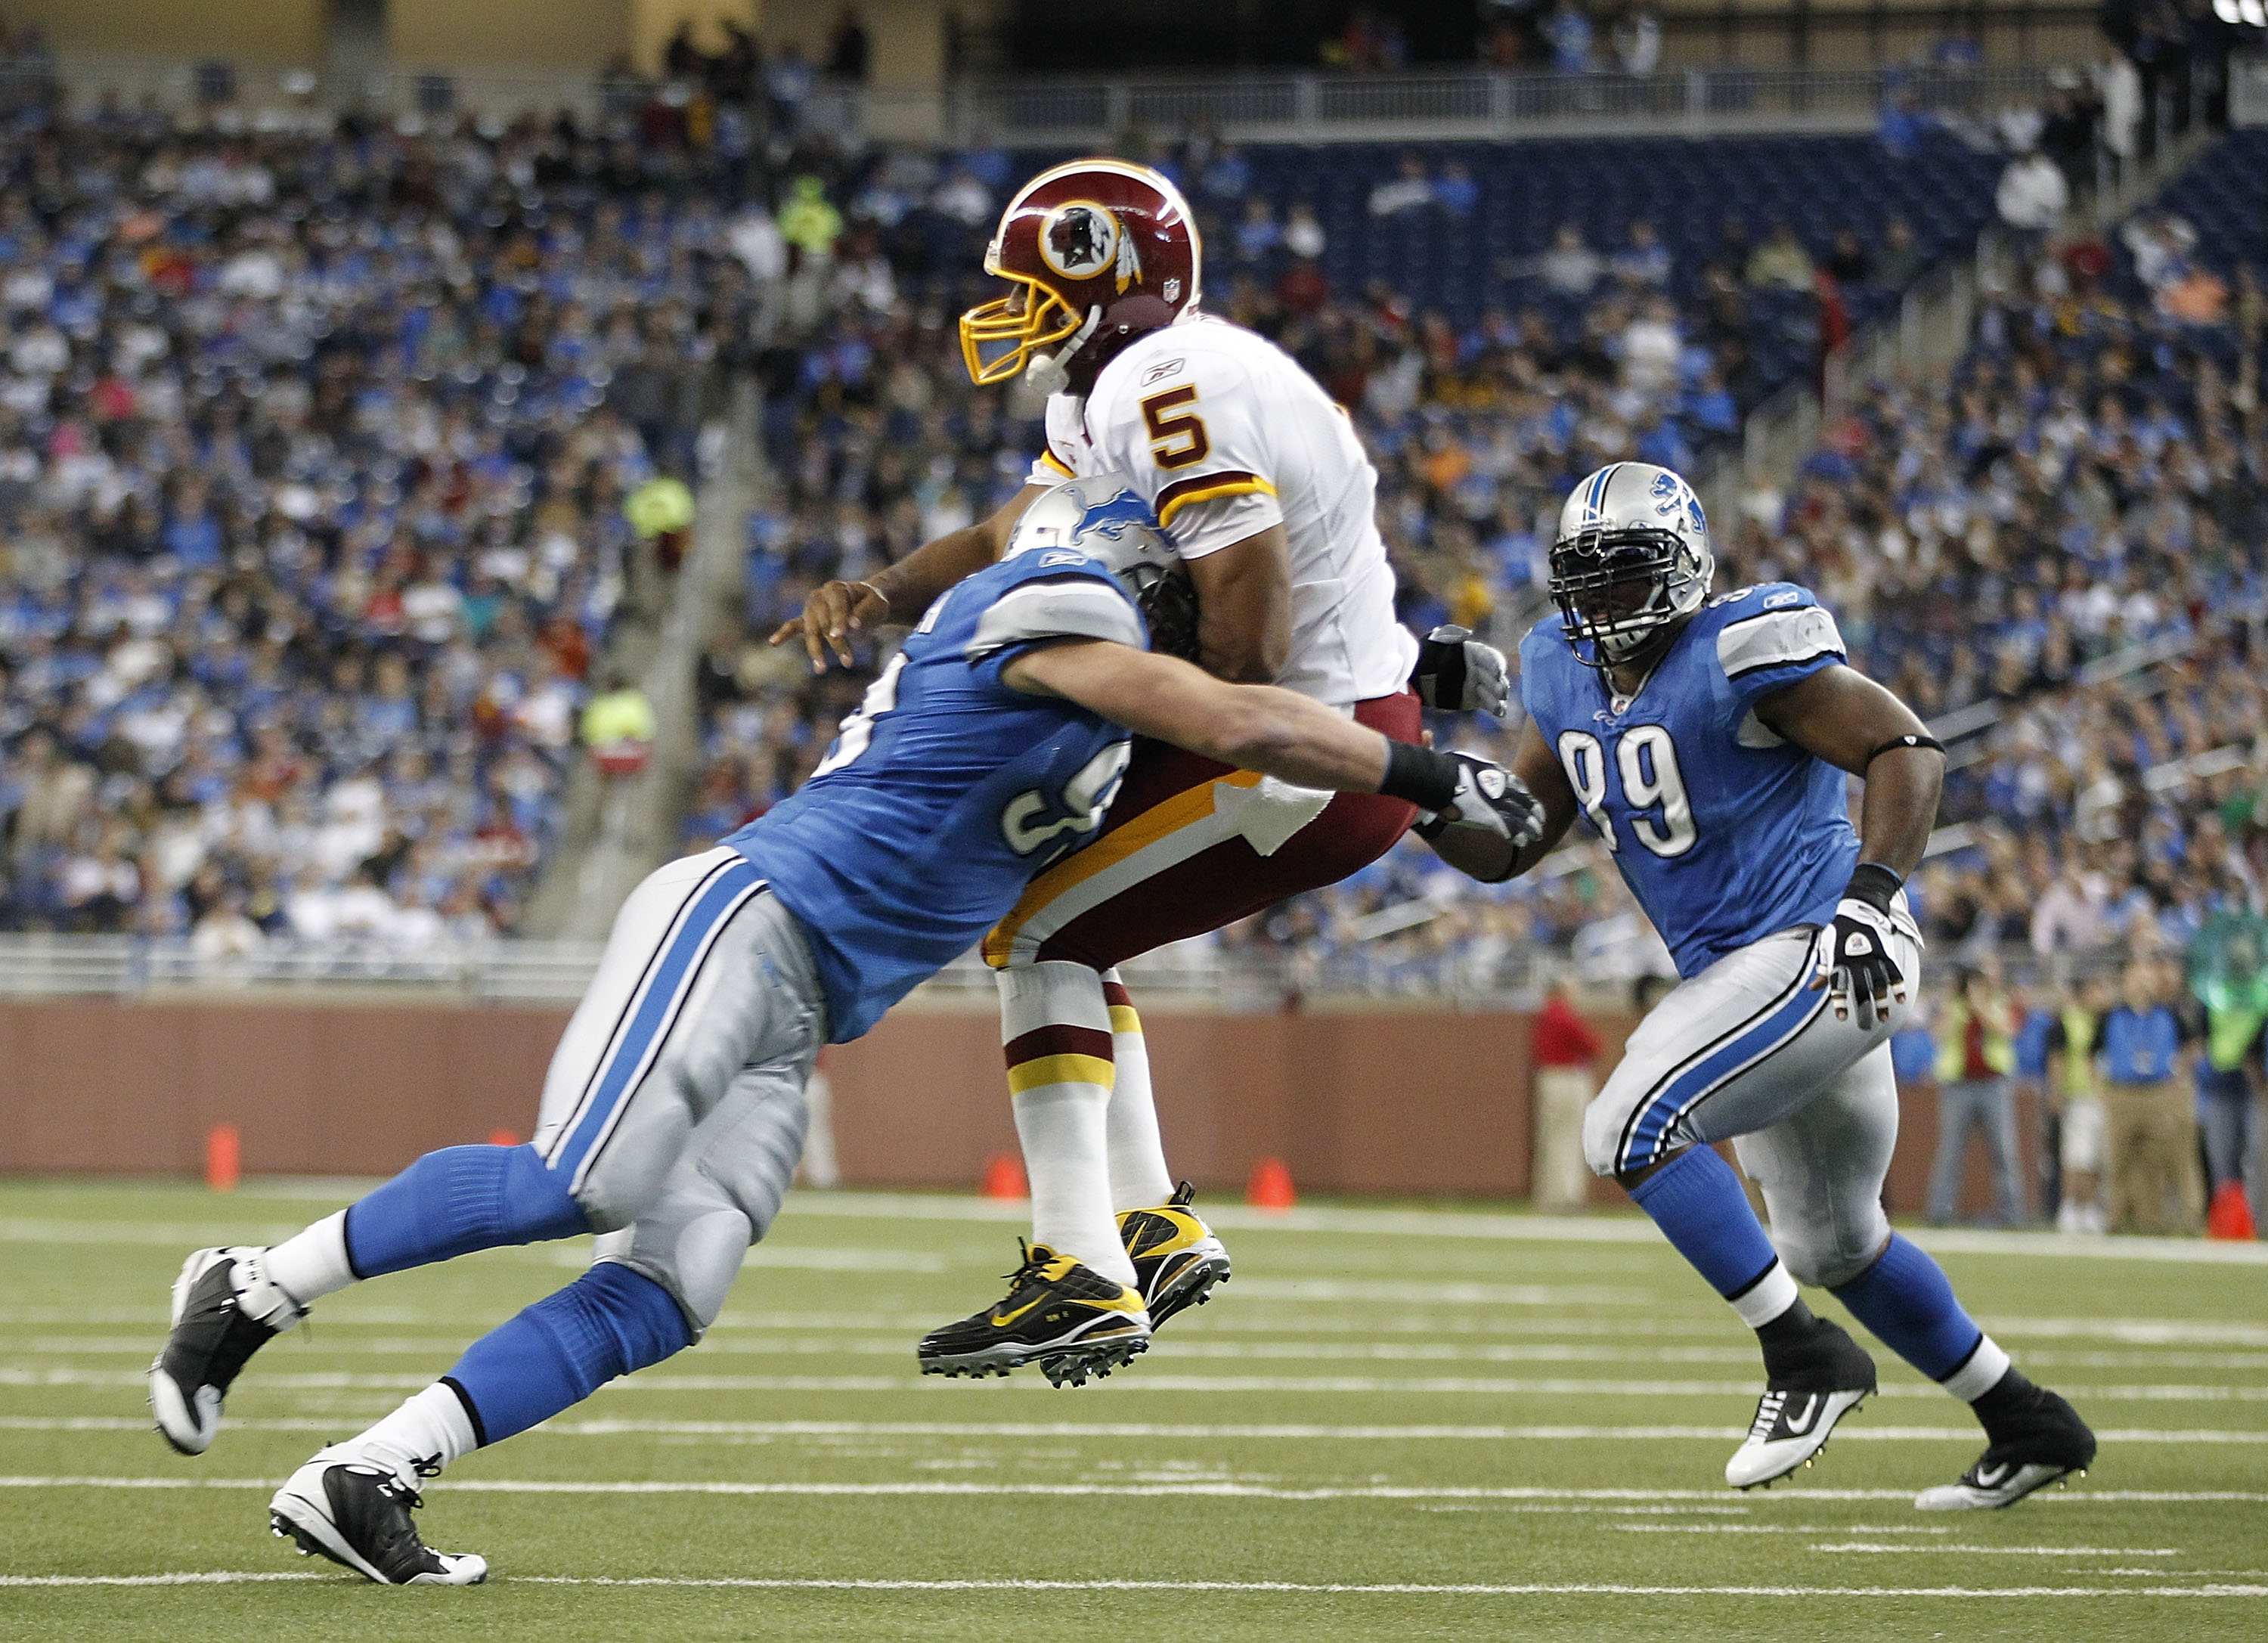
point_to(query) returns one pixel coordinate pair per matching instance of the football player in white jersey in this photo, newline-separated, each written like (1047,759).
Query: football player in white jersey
(1707,741)
(1264,488)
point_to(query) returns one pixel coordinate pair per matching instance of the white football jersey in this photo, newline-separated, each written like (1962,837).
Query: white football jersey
(1224,435)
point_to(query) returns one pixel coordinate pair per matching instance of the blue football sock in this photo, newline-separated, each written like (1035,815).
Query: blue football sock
(1699,1204)
(457,1200)
(566,1346)
(1908,1303)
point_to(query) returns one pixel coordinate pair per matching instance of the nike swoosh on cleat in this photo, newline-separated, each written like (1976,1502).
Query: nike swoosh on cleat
(1811,1406)
(1001,1321)
(1992,1478)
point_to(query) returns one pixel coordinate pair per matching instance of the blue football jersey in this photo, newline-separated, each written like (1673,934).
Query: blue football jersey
(1723,831)
(946,790)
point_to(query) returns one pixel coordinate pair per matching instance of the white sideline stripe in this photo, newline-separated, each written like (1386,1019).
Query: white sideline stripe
(349,1380)
(1194,1487)
(231,1577)
(218,1577)
(1861,1434)
(1610,1228)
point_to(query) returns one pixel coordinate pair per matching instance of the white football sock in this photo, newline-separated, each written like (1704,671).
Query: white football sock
(420,1438)
(1139,1179)
(1980,1373)
(1767,1298)
(311,1265)
(1056,1029)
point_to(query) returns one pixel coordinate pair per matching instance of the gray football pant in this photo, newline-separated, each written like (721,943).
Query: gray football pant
(676,1093)
(1746,1051)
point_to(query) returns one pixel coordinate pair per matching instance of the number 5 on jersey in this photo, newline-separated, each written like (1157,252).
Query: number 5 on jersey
(1646,761)
(1176,440)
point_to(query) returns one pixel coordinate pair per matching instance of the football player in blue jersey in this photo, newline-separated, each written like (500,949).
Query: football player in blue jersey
(1706,742)
(672,1114)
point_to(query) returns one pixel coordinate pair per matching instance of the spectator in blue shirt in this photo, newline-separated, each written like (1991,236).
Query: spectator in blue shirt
(2149,1117)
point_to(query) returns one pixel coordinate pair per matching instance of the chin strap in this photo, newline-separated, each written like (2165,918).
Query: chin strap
(1051,374)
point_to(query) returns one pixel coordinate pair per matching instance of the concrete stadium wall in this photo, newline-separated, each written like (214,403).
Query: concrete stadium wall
(1387,1103)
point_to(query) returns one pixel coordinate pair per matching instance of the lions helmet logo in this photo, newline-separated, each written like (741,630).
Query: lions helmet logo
(1112,518)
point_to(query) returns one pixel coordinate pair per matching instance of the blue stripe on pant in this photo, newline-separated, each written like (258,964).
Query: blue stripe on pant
(673,976)
(1712,1072)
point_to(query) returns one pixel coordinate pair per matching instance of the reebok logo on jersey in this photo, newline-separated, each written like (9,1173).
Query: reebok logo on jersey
(1061,557)
(1777,599)
(1163,369)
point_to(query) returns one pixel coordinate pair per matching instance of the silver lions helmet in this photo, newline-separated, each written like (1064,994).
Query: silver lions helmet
(1631,560)
(1105,518)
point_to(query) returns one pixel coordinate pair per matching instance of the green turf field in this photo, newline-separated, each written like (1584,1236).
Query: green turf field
(1390,1425)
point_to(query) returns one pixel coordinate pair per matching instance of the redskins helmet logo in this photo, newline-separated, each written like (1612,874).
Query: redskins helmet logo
(1079,241)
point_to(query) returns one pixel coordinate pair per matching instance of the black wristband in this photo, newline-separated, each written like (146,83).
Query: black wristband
(1873,883)
(1896,742)
(1419,776)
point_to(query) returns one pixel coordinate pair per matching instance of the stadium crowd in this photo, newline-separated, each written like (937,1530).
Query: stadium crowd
(313,445)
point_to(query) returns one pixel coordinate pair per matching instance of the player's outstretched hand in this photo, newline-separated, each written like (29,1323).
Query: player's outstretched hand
(1490,799)
(1854,962)
(831,615)
(1458,674)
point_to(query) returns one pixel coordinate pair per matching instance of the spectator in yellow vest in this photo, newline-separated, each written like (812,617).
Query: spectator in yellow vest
(2073,1093)
(1976,1053)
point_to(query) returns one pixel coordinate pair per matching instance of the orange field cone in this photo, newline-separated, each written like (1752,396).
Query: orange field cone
(2230,1217)
(503,1137)
(224,1157)
(1270,1186)
(1004,1177)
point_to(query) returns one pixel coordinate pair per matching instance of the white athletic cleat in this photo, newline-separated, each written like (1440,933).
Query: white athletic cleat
(225,1309)
(1790,1429)
(355,1511)
(1816,1380)
(2040,1441)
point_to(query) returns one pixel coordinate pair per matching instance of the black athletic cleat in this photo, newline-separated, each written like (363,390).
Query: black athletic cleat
(1069,1319)
(1176,1259)
(2039,1441)
(225,1310)
(1815,1382)
(356,1514)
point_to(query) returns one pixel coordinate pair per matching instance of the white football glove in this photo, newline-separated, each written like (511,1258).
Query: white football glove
(1490,799)
(1852,954)
(1458,674)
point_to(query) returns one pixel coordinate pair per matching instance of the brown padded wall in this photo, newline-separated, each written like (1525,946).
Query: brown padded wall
(1399,1103)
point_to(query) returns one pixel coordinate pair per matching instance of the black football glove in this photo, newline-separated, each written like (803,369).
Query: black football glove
(1490,799)
(1457,674)
(1854,953)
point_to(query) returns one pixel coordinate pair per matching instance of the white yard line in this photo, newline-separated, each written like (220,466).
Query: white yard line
(1612,1228)
(891,1344)
(1145,1381)
(1857,1431)
(232,1577)
(1195,1487)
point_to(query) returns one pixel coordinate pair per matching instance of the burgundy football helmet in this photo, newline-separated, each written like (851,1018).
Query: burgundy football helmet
(1101,252)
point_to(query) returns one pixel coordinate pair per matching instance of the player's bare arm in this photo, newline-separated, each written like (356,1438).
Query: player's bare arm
(1244,608)
(1492,860)
(1846,719)
(1278,732)
(836,611)
(1841,716)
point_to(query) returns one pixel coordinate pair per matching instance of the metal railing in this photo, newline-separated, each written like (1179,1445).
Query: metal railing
(1315,107)
(48,966)
(1246,108)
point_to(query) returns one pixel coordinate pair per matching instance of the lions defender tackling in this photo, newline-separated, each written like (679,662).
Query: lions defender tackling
(672,1114)
(1706,742)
